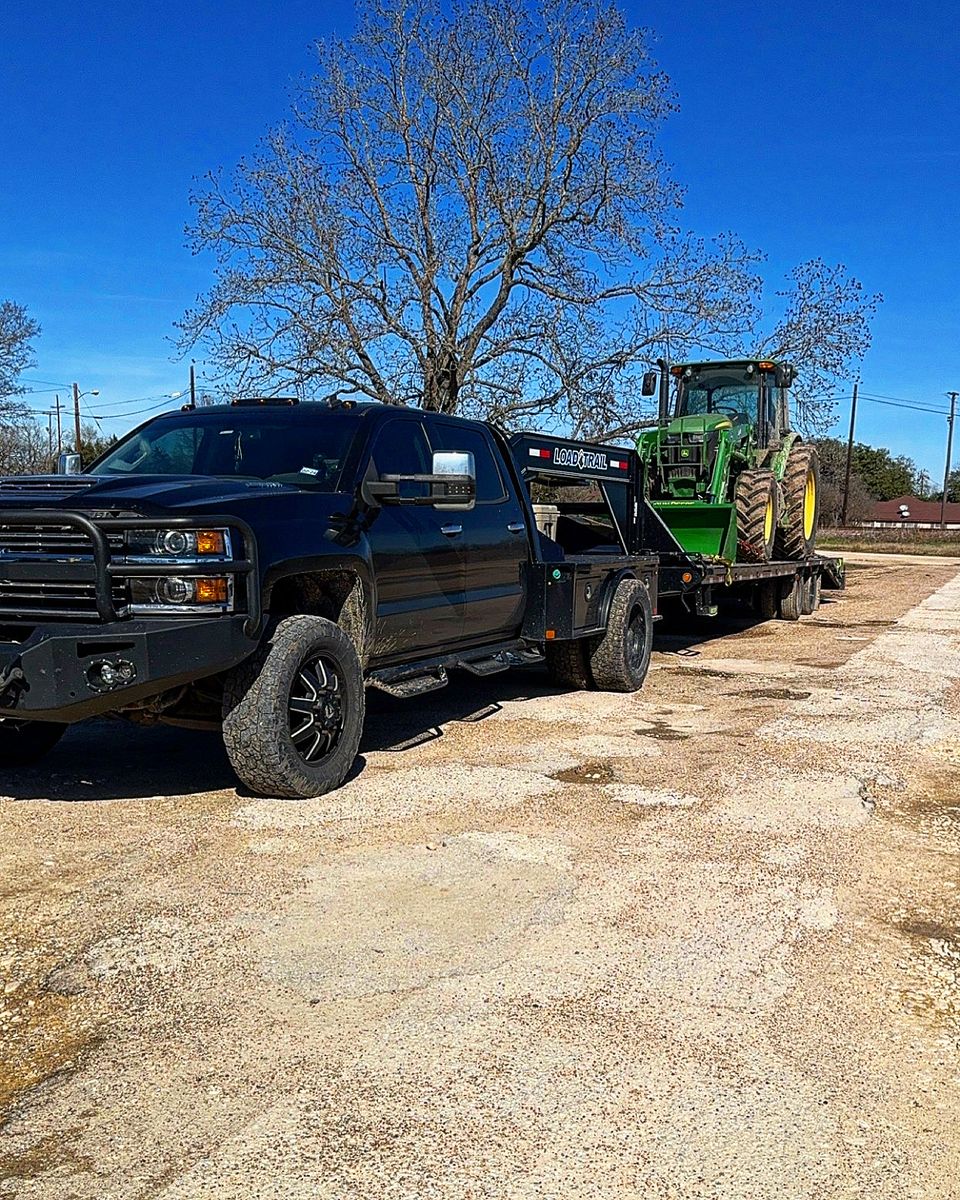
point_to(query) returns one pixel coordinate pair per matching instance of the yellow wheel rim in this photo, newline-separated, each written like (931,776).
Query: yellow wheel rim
(768,521)
(809,505)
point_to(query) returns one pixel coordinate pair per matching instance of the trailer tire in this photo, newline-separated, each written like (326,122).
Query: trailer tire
(791,600)
(620,658)
(293,712)
(757,504)
(768,600)
(797,535)
(811,594)
(25,742)
(568,665)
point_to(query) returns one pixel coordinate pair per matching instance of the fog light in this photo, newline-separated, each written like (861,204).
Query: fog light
(105,675)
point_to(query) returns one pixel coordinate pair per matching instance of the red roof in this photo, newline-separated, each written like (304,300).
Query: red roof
(923,511)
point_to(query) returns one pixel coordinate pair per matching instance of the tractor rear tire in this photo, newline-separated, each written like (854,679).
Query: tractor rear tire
(757,515)
(568,666)
(797,536)
(619,660)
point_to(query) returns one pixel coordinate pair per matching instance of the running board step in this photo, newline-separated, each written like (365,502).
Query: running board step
(485,666)
(404,687)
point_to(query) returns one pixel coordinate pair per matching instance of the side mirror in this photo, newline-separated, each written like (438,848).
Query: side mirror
(69,463)
(651,381)
(784,376)
(452,483)
(455,479)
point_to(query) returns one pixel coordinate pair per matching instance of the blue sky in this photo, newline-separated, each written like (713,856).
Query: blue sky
(808,129)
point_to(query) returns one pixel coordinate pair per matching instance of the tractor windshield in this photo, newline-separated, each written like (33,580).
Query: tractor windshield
(725,392)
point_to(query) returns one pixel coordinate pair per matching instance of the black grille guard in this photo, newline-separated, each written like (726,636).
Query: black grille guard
(103,570)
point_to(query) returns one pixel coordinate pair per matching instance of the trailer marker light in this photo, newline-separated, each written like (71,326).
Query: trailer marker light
(550,634)
(687,577)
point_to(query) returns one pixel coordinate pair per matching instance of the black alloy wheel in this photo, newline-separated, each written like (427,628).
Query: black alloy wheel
(315,709)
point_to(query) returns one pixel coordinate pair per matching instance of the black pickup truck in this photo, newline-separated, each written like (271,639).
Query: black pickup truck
(255,566)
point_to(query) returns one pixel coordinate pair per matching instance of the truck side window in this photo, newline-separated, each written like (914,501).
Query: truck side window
(490,487)
(400,448)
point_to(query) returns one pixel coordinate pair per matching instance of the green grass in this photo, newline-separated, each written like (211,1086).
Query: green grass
(934,542)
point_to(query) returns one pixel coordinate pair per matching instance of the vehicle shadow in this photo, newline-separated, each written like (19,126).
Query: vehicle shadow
(104,760)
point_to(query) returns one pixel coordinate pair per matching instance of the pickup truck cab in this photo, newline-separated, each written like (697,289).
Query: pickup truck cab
(255,566)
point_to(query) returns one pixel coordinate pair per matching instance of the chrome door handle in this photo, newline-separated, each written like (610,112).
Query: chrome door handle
(516,527)
(451,530)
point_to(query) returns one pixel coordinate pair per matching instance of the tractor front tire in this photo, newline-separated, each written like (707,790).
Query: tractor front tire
(757,515)
(620,658)
(797,535)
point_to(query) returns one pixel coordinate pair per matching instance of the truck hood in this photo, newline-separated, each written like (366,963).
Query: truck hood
(143,493)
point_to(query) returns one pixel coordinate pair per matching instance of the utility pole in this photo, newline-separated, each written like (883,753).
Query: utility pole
(59,428)
(76,416)
(922,485)
(846,482)
(946,470)
(193,386)
(50,434)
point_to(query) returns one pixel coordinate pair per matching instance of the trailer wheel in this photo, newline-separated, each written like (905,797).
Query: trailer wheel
(811,593)
(768,600)
(620,658)
(792,599)
(25,742)
(801,499)
(293,712)
(757,515)
(568,665)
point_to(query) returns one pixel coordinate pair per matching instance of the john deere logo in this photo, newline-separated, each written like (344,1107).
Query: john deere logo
(582,460)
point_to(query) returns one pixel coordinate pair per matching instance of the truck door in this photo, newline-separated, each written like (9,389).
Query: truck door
(492,538)
(417,566)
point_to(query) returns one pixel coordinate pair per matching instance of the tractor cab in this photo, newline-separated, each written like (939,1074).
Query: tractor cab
(722,466)
(748,394)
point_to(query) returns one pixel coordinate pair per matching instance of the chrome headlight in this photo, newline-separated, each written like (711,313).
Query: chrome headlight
(178,545)
(175,593)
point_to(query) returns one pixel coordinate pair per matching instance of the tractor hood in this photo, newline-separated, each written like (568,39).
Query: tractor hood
(699,423)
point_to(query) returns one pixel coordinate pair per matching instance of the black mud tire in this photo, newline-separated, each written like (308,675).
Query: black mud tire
(26,742)
(797,533)
(568,666)
(792,599)
(619,660)
(261,717)
(756,534)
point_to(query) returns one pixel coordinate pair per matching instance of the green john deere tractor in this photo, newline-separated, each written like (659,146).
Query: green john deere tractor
(724,470)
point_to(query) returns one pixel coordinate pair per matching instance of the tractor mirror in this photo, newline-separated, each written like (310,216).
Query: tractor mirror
(651,381)
(784,376)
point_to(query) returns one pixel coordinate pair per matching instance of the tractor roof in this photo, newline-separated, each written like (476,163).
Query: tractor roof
(764,364)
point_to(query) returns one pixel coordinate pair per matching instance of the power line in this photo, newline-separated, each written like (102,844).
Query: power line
(904,404)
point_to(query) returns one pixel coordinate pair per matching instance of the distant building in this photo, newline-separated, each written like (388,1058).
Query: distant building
(907,512)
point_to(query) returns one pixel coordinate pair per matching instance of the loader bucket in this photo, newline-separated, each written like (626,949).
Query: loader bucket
(709,529)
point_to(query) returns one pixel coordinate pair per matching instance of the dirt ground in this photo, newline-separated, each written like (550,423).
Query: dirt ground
(703,941)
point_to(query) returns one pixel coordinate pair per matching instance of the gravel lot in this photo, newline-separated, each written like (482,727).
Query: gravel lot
(699,942)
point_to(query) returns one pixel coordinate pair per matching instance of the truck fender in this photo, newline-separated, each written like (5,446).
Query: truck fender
(342,589)
(611,585)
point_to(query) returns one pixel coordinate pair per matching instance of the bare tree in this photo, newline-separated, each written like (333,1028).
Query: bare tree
(824,330)
(469,211)
(17,330)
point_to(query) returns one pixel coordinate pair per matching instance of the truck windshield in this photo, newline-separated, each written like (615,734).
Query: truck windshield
(719,393)
(253,444)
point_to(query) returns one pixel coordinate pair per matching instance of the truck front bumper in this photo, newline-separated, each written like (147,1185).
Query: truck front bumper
(68,672)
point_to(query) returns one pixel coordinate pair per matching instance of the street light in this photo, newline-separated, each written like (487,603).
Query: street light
(77,396)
